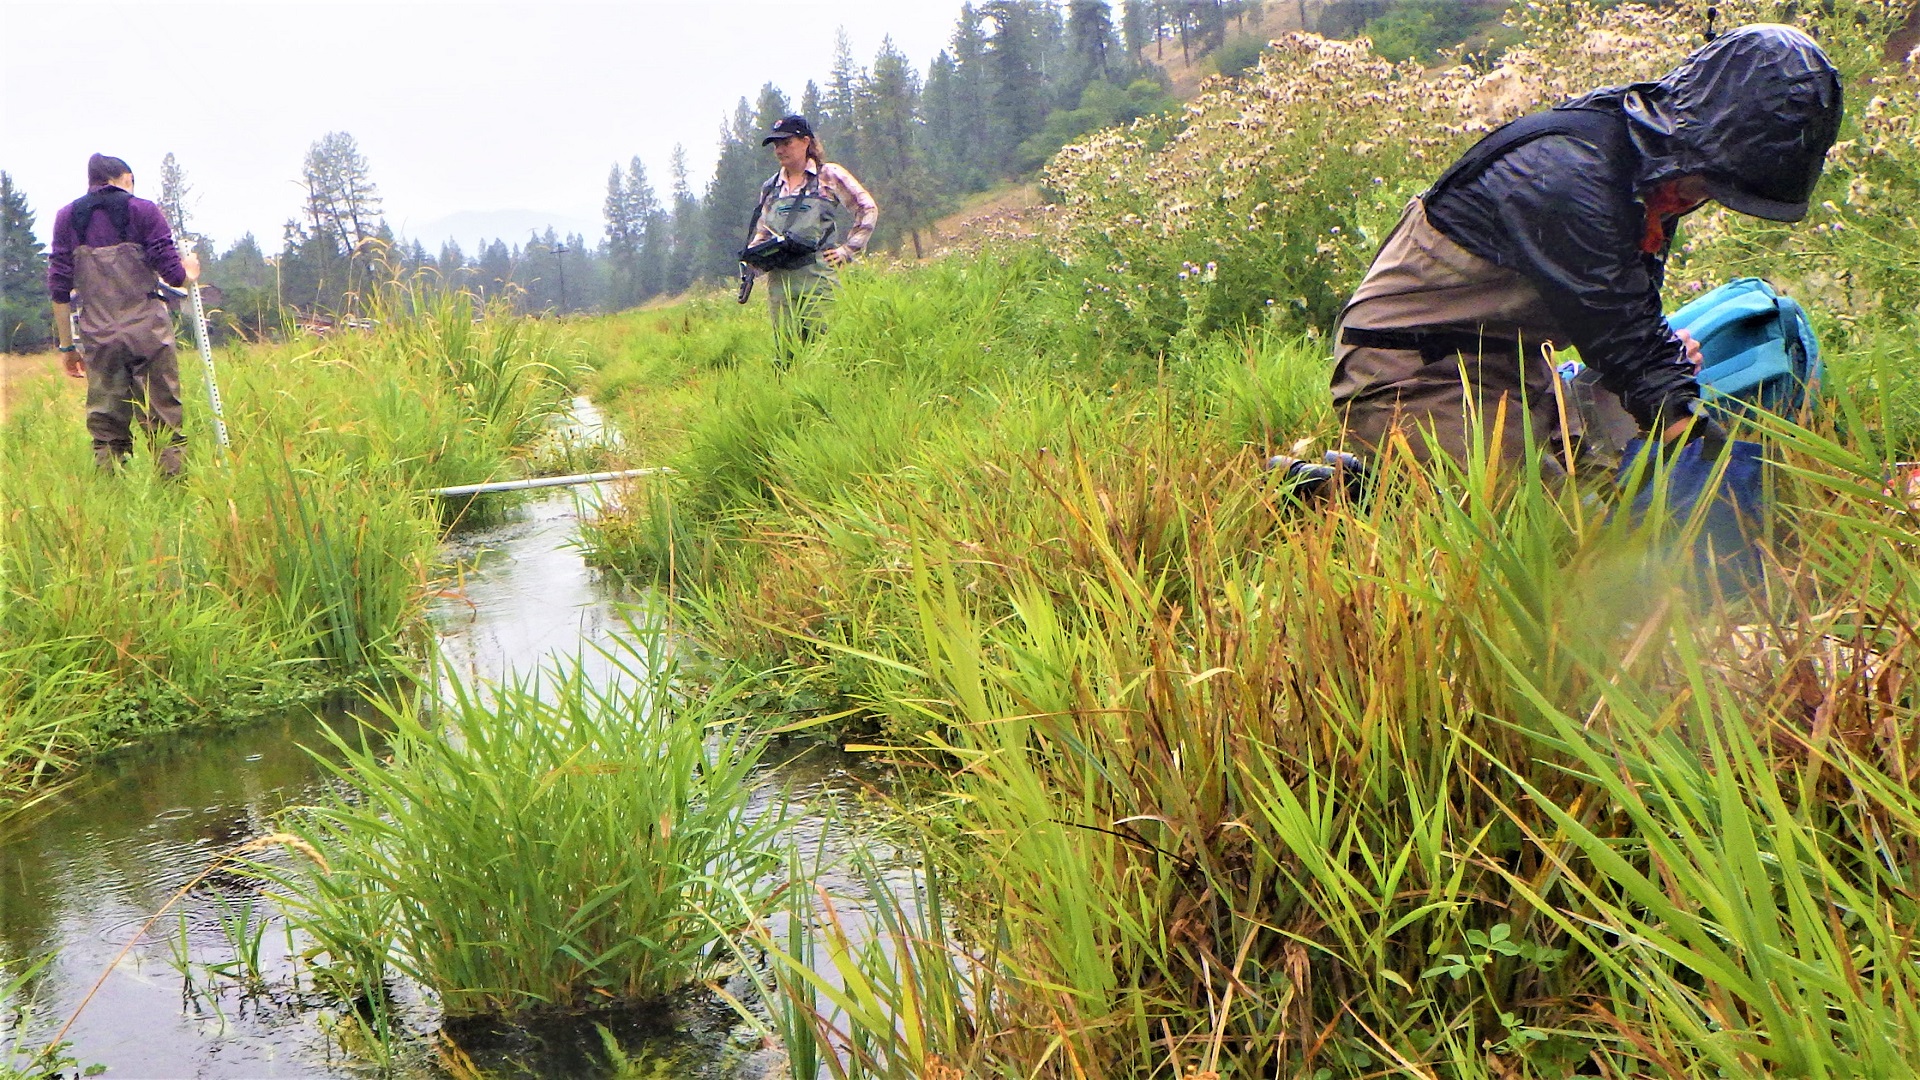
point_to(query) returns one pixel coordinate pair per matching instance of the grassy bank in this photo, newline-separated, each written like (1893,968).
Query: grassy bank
(130,604)
(1470,780)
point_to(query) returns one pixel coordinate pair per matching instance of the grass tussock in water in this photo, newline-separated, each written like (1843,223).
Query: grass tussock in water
(553,844)
(131,604)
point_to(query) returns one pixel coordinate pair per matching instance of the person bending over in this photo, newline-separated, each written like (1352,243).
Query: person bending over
(1553,231)
(110,252)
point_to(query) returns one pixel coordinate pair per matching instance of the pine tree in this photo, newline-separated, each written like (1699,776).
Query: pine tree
(623,236)
(649,234)
(1134,27)
(343,204)
(496,266)
(1050,39)
(244,266)
(733,193)
(838,123)
(250,301)
(342,235)
(26,314)
(682,265)
(1090,47)
(942,126)
(455,271)
(972,145)
(895,167)
(1017,98)
(175,193)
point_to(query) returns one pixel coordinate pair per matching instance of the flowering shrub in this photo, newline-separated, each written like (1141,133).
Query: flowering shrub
(1268,196)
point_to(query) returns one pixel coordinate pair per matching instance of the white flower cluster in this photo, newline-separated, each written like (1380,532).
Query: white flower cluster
(1285,180)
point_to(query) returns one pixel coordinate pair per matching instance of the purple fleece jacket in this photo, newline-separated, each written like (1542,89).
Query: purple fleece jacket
(146,226)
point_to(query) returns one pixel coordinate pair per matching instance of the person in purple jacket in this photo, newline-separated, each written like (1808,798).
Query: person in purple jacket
(110,253)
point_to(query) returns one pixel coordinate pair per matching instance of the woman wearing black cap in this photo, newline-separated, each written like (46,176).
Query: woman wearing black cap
(813,217)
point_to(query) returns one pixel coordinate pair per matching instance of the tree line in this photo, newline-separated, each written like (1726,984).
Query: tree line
(1017,80)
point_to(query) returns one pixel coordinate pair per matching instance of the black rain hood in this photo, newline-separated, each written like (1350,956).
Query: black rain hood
(1754,112)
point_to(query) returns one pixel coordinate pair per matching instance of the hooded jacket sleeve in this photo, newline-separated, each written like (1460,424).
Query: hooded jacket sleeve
(1559,212)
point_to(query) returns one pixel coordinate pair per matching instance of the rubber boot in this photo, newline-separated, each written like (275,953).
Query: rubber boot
(108,459)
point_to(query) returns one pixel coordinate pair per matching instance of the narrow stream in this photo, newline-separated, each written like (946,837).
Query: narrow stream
(81,874)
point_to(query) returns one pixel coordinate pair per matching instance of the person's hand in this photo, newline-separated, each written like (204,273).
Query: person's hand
(1693,349)
(1706,429)
(76,365)
(838,256)
(192,264)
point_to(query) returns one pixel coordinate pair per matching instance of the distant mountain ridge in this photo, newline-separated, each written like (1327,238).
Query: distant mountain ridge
(471,228)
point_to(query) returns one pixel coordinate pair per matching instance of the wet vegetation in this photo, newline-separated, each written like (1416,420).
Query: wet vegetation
(300,560)
(556,844)
(1471,778)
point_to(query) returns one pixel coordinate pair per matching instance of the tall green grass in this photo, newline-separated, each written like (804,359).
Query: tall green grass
(1472,780)
(298,560)
(551,843)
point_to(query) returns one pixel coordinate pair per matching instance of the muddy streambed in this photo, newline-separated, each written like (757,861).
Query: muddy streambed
(82,873)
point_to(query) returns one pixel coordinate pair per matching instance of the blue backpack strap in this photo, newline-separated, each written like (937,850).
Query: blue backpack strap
(1802,348)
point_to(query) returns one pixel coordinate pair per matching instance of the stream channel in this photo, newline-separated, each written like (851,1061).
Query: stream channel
(82,873)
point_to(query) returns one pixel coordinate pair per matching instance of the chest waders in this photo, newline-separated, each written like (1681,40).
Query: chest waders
(795,295)
(125,333)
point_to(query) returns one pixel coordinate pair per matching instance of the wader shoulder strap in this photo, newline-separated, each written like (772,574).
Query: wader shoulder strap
(113,201)
(1598,127)
(753,222)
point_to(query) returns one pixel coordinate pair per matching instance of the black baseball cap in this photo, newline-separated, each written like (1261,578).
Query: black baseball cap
(786,128)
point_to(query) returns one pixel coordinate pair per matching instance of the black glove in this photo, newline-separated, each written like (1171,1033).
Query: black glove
(1713,437)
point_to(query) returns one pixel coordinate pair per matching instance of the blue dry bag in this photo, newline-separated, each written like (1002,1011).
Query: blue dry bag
(1734,520)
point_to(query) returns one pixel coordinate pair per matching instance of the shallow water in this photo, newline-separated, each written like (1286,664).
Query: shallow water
(82,873)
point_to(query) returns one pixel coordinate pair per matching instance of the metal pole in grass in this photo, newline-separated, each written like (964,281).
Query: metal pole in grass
(546,481)
(206,358)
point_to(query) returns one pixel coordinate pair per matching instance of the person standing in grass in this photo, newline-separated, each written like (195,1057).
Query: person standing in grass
(1553,231)
(813,218)
(112,251)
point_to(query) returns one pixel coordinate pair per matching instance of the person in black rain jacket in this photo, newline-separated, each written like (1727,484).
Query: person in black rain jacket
(1553,231)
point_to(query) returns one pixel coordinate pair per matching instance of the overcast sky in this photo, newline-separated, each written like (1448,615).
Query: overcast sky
(457,106)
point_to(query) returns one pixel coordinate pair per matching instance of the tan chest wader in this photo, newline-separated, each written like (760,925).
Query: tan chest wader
(794,296)
(126,339)
(1449,348)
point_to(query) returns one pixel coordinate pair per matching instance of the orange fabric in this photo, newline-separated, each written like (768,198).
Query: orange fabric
(1663,202)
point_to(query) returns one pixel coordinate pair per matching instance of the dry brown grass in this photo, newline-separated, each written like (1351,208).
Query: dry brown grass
(18,371)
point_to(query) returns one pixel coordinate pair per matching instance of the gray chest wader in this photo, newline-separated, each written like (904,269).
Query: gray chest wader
(126,340)
(795,295)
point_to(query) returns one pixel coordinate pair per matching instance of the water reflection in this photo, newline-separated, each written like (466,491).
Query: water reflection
(81,874)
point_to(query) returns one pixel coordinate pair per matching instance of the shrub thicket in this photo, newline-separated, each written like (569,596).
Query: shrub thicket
(1267,198)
